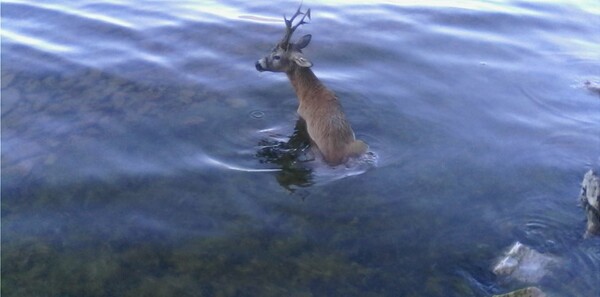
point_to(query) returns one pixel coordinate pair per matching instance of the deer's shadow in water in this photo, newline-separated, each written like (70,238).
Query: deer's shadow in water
(289,156)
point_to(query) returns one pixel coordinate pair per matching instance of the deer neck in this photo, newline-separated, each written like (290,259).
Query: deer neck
(305,83)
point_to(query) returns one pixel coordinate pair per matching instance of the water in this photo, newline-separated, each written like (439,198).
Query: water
(143,155)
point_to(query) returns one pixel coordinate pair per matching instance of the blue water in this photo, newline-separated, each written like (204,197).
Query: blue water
(143,154)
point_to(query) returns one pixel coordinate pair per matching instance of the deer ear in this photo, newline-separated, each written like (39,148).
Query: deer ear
(303,41)
(302,61)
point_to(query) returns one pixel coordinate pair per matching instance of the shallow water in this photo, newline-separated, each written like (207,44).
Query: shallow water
(143,155)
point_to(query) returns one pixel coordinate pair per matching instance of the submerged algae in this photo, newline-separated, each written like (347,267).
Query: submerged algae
(119,238)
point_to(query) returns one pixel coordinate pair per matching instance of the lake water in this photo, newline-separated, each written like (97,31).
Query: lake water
(144,155)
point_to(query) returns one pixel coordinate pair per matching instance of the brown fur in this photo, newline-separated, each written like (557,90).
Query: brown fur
(325,120)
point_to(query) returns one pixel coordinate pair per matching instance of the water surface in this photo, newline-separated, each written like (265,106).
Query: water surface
(143,155)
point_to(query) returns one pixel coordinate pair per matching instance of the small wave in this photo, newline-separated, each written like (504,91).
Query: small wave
(544,224)
(553,108)
(324,174)
(204,160)
(58,10)
(35,42)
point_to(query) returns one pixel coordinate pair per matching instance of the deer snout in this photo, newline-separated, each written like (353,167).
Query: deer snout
(259,66)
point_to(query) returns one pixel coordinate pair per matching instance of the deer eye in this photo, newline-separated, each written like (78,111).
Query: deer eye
(276,57)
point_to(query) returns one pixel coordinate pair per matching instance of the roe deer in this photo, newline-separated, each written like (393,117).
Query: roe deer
(325,120)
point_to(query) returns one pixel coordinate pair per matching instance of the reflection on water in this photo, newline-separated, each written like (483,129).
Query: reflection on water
(142,154)
(289,156)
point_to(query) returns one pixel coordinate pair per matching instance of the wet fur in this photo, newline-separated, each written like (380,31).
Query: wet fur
(325,120)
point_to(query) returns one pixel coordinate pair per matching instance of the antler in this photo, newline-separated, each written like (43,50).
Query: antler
(289,29)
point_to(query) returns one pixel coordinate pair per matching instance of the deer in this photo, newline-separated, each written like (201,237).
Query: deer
(328,129)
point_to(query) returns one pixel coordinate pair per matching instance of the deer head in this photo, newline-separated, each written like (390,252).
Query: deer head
(286,55)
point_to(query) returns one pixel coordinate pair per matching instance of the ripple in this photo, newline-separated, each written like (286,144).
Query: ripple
(578,275)
(544,223)
(70,33)
(553,108)
(203,160)
(324,174)
(44,45)
(257,114)
(58,9)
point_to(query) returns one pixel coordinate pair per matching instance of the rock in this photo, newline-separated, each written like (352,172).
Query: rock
(524,264)
(590,198)
(527,292)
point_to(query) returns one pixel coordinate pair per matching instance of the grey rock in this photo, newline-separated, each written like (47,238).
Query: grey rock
(524,264)
(589,198)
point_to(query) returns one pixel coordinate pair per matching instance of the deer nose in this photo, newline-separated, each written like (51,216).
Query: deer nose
(258,66)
